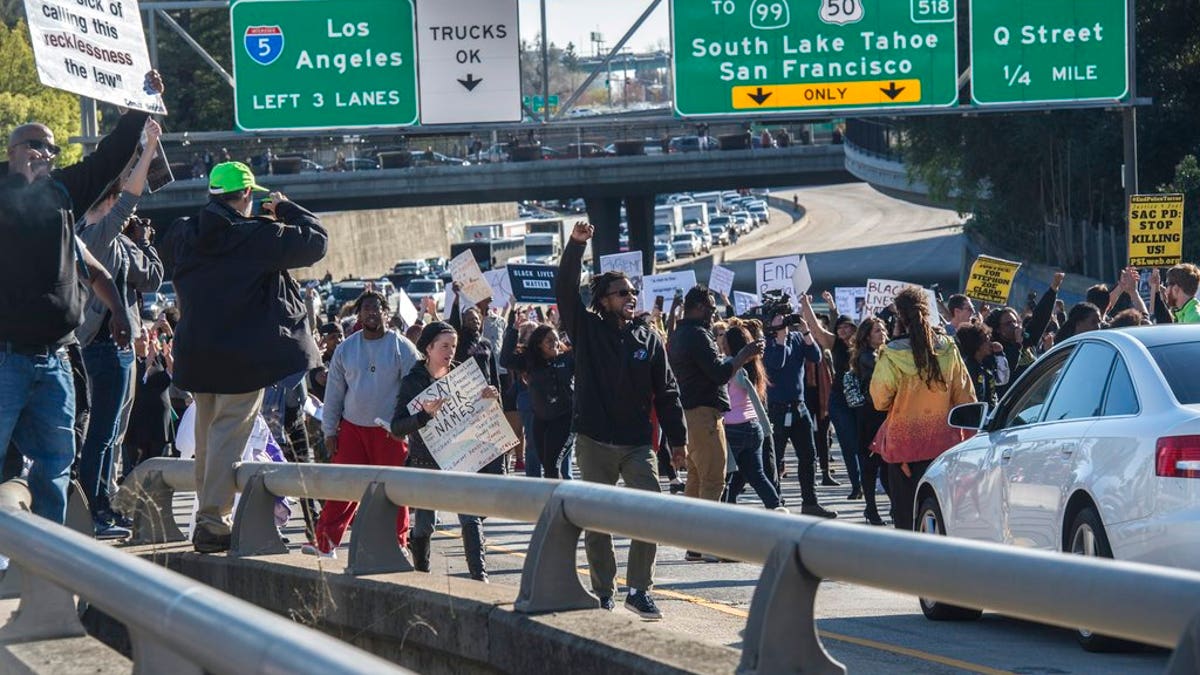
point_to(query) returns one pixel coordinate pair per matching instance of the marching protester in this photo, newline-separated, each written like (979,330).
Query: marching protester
(43,271)
(150,430)
(985,364)
(110,368)
(516,339)
(436,346)
(1082,318)
(1020,340)
(747,424)
(962,313)
(784,357)
(869,341)
(918,378)
(844,422)
(231,270)
(1180,290)
(621,373)
(547,368)
(363,386)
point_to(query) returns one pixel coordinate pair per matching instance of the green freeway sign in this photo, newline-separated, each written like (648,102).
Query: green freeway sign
(322,64)
(771,56)
(1026,51)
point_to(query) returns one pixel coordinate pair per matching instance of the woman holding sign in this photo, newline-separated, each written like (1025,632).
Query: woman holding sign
(437,345)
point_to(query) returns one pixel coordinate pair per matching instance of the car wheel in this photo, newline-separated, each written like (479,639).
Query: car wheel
(1089,539)
(929,521)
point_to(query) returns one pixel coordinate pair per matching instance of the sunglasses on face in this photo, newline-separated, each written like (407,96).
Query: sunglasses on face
(626,293)
(41,145)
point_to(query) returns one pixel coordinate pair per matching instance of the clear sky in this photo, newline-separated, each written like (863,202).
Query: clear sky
(573,20)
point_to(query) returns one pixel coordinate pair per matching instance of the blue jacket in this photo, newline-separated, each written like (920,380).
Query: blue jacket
(785,368)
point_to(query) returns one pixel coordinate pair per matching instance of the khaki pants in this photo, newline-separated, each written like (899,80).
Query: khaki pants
(223,426)
(638,466)
(706,453)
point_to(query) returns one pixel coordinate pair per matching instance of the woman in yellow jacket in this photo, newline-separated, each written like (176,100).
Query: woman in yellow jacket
(918,379)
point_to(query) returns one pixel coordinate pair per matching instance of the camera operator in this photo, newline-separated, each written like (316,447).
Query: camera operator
(785,356)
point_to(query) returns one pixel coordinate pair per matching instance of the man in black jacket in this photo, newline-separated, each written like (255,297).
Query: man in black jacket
(1020,341)
(703,373)
(243,324)
(621,371)
(43,268)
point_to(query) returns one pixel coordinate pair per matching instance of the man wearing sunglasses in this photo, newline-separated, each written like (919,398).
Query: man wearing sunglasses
(1182,283)
(42,270)
(621,371)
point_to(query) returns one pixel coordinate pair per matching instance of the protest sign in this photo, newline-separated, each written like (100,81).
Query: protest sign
(744,302)
(533,283)
(851,301)
(881,293)
(665,285)
(630,263)
(94,49)
(1155,230)
(802,278)
(465,271)
(777,274)
(991,279)
(406,309)
(501,288)
(721,281)
(468,432)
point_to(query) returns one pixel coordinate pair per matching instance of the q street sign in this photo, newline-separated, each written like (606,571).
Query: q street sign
(323,64)
(469,61)
(1025,51)
(774,56)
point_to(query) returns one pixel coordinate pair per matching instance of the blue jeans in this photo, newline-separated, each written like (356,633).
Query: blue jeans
(845,424)
(109,370)
(37,413)
(746,443)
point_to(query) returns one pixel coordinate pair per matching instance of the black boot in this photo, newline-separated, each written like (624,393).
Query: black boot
(420,553)
(472,534)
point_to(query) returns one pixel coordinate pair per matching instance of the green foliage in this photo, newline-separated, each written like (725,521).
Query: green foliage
(1187,182)
(197,98)
(24,99)
(1019,174)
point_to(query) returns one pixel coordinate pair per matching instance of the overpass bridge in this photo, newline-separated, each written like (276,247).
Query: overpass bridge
(605,183)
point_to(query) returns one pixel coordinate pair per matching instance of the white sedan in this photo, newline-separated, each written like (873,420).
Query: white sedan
(1094,451)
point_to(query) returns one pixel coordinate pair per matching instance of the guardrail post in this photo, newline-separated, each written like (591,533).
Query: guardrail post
(151,656)
(781,633)
(254,531)
(79,516)
(46,612)
(152,510)
(373,546)
(549,582)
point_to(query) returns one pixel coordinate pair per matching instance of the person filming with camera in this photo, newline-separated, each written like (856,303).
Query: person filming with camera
(785,356)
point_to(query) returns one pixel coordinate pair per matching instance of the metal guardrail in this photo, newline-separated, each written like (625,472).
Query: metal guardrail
(176,625)
(1148,604)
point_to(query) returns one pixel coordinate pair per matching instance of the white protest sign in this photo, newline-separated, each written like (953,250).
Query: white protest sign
(666,285)
(406,309)
(851,301)
(744,302)
(501,287)
(94,49)
(802,278)
(468,432)
(721,281)
(630,263)
(473,286)
(777,274)
(881,293)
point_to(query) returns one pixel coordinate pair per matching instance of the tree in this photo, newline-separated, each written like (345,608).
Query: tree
(24,99)
(197,98)
(1187,183)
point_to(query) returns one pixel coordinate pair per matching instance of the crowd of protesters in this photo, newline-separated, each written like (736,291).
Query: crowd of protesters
(89,387)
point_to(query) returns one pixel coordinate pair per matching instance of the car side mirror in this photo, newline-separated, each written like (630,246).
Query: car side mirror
(970,416)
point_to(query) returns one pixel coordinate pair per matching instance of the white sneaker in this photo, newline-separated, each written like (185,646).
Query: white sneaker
(311,549)
(781,509)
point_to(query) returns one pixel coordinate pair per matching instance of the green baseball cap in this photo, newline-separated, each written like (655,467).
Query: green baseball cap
(232,177)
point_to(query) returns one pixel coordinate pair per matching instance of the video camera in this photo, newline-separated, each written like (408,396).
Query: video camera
(778,303)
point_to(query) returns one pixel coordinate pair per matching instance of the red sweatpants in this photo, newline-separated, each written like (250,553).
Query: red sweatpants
(360,445)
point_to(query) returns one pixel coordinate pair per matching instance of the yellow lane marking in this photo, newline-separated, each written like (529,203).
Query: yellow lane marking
(743,614)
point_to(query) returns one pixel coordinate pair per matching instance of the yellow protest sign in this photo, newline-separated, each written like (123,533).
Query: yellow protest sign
(991,279)
(1155,230)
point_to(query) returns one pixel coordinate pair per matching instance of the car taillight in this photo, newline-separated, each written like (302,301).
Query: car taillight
(1178,457)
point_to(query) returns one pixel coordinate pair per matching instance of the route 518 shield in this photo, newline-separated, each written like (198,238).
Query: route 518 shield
(264,44)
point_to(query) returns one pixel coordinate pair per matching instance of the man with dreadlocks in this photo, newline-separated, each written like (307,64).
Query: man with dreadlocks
(621,371)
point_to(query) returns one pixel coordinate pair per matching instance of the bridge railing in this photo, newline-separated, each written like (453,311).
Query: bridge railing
(1148,604)
(176,625)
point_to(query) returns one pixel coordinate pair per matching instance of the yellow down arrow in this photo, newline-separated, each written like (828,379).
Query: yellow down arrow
(826,94)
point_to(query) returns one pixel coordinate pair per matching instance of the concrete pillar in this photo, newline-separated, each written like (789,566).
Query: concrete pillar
(639,210)
(605,214)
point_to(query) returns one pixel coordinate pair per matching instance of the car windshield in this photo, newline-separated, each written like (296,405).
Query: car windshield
(660,247)
(683,237)
(422,286)
(1179,365)
(347,293)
